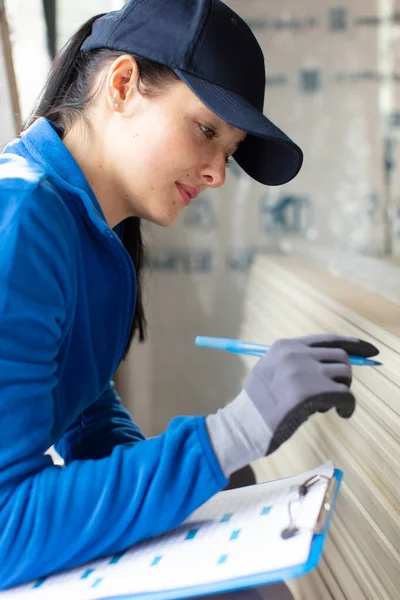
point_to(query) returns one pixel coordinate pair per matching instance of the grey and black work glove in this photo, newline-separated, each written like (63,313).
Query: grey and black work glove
(293,380)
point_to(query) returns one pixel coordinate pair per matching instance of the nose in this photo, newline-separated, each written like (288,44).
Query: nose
(214,173)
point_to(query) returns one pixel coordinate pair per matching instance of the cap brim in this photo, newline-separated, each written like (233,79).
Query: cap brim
(267,154)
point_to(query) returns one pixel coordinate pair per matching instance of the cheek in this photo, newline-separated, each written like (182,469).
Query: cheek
(171,145)
(167,162)
(155,155)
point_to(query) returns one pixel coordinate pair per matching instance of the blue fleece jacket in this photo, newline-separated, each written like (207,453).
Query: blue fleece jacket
(67,297)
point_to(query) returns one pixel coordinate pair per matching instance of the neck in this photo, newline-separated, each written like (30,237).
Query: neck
(89,155)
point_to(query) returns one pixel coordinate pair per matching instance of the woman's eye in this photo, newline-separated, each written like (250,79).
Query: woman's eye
(211,134)
(208,132)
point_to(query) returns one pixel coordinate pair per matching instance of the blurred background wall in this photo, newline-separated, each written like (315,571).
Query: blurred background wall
(333,85)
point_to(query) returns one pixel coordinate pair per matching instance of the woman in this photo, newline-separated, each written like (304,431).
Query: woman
(140,114)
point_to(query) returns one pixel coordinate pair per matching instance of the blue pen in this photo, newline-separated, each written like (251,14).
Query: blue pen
(239,347)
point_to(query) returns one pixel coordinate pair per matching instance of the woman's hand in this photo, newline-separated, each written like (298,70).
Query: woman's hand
(301,376)
(294,379)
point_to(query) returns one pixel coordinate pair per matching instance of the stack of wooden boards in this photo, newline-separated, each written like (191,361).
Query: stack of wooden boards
(288,297)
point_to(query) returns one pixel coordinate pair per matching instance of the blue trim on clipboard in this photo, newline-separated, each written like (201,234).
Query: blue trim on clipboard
(318,541)
(258,580)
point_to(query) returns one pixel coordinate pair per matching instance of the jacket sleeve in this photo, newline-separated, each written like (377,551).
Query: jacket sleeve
(99,429)
(52,518)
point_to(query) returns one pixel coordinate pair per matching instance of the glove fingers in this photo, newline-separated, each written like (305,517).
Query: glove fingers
(346,406)
(342,399)
(349,345)
(329,340)
(339,372)
(331,355)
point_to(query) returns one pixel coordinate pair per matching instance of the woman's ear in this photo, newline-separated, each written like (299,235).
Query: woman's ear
(122,81)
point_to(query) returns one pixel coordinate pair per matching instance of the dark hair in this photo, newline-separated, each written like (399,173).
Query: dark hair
(68,91)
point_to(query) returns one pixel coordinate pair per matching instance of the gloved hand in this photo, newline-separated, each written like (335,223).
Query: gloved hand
(296,378)
(301,376)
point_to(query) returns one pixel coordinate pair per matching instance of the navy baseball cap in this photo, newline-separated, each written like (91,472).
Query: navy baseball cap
(216,54)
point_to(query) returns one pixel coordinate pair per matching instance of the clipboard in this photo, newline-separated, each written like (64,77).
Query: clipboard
(117,578)
(262,579)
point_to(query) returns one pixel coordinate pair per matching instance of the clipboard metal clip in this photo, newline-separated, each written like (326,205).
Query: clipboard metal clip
(292,529)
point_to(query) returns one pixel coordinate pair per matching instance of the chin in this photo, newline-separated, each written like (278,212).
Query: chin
(164,220)
(168,222)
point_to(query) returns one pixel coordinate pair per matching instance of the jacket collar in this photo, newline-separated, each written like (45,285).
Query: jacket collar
(43,142)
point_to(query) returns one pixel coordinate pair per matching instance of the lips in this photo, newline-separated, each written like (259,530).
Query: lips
(187,192)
